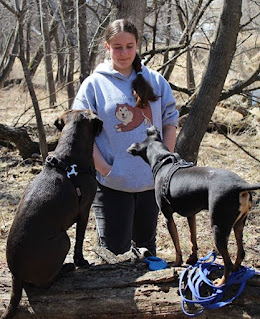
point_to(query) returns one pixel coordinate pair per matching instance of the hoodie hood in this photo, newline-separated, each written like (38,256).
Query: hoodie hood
(106,68)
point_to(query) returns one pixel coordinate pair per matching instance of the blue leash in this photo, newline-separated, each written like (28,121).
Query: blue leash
(197,277)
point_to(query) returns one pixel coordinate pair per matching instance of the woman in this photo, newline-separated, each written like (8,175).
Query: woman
(128,97)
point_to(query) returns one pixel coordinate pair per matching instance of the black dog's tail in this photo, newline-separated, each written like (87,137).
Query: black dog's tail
(16,296)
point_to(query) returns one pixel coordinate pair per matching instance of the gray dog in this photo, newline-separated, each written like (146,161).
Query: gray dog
(187,190)
(58,197)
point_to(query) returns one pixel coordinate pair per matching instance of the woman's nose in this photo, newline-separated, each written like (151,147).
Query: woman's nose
(123,51)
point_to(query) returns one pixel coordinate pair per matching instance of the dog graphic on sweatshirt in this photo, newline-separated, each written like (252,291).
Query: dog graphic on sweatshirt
(132,117)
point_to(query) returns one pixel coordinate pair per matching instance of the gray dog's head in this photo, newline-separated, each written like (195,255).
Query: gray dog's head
(140,149)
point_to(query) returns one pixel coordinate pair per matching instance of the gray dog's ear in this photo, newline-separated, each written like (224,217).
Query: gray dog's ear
(152,130)
(133,149)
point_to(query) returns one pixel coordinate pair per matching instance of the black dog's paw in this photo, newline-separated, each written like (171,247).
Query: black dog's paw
(67,267)
(64,270)
(81,262)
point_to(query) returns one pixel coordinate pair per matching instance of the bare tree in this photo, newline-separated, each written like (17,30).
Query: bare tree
(133,10)
(68,20)
(9,55)
(47,51)
(220,58)
(19,14)
(82,40)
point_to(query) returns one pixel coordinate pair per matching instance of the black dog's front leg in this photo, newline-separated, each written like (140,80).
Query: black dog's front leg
(80,233)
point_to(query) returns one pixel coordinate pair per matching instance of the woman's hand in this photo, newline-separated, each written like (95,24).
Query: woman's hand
(101,164)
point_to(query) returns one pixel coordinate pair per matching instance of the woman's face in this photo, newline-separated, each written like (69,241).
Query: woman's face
(122,50)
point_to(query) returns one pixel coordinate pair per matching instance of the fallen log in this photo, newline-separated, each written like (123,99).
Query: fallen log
(119,291)
(22,140)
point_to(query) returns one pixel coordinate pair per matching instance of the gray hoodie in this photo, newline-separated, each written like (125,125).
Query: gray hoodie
(109,94)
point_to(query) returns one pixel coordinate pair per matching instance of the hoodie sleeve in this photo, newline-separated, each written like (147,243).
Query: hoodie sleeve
(85,98)
(170,115)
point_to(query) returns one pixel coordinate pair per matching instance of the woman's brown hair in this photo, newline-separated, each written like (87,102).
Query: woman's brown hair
(142,90)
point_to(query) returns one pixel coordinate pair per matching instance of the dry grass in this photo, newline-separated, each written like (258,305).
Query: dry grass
(215,150)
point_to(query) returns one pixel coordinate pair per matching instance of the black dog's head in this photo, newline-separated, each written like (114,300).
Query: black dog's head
(80,115)
(140,149)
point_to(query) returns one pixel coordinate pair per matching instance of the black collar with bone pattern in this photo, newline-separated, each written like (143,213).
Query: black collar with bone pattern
(70,170)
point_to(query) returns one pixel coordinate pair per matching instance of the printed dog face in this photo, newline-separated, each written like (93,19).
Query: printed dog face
(124,113)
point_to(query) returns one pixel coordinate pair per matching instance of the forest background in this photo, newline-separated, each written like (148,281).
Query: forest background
(208,50)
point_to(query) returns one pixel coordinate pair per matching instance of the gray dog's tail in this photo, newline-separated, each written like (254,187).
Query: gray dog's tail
(250,187)
(16,296)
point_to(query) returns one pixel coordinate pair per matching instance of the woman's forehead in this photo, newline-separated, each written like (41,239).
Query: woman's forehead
(123,38)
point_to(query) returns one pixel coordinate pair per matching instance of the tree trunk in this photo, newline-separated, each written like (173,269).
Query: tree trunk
(28,32)
(47,52)
(189,67)
(220,58)
(132,10)
(168,28)
(7,65)
(60,76)
(42,137)
(189,71)
(68,17)
(125,290)
(36,60)
(82,40)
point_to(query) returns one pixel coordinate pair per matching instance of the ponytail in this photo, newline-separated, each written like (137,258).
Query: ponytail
(142,90)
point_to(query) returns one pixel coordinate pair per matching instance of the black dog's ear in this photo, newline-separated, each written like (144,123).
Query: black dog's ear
(59,123)
(133,149)
(63,119)
(98,126)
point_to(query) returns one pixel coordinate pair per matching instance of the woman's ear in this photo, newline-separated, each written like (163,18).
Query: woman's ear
(107,46)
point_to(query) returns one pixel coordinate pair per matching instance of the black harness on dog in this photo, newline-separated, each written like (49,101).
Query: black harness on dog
(71,170)
(177,162)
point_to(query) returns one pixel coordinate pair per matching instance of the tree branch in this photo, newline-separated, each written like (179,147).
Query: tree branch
(11,9)
(238,88)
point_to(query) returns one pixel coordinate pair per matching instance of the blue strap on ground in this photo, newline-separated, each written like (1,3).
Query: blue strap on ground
(197,276)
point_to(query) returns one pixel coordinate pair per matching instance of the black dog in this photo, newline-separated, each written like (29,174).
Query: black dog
(58,197)
(188,190)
